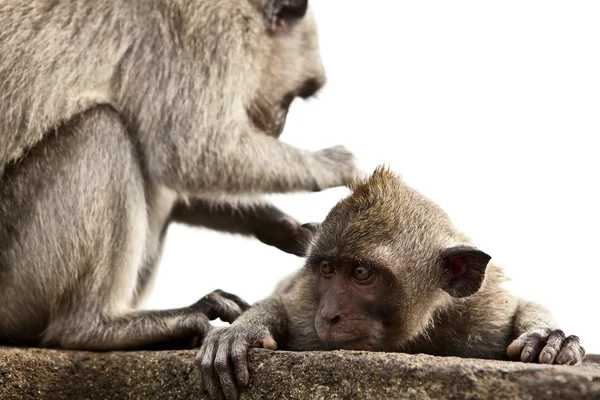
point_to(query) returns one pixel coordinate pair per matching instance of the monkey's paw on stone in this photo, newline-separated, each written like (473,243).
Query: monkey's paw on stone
(547,346)
(222,360)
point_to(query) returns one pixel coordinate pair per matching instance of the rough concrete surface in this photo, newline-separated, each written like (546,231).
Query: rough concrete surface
(51,374)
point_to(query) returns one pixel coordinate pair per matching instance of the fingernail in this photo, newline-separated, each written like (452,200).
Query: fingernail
(547,357)
(562,359)
(526,356)
(242,380)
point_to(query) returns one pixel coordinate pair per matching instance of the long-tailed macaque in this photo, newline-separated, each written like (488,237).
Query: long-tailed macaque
(118,117)
(388,271)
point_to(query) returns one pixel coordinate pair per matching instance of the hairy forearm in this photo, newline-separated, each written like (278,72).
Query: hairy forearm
(255,217)
(220,216)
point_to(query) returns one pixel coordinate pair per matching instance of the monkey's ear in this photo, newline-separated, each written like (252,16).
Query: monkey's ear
(279,13)
(464,270)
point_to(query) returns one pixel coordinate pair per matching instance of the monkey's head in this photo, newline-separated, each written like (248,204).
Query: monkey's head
(383,262)
(293,66)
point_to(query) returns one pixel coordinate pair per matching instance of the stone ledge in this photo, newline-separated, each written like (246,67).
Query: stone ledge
(52,374)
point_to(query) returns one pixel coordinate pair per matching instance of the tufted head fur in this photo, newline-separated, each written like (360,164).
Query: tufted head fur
(415,260)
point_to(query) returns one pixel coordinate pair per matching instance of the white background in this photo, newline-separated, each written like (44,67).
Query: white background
(491,109)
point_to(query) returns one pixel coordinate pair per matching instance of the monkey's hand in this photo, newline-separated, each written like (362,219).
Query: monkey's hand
(547,346)
(335,166)
(222,360)
(288,235)
(220,304)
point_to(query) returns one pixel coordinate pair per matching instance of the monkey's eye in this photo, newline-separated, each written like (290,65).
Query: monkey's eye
(326,268)
(362,273)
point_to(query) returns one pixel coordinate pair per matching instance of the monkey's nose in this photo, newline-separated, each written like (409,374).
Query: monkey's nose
(331,317)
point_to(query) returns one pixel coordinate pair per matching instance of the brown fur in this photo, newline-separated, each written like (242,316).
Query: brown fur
(431,292)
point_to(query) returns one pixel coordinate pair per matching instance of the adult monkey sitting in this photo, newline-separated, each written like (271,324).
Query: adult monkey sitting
(119,117)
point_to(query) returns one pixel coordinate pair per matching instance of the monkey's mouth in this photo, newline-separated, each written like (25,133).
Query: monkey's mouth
(279,123)
(351,333)
(342,339)
(268,119)
(359,343)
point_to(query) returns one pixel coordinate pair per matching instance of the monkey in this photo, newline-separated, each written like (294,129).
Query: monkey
(388,271)
(118,118)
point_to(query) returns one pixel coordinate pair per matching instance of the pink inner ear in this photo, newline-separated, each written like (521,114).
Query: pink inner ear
(458,266)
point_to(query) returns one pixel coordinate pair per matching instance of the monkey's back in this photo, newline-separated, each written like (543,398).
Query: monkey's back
(58,59)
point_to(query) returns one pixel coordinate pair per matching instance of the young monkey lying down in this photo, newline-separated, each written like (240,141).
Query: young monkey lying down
(387,271)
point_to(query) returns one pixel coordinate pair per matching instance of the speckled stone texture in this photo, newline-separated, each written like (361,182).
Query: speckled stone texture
(50,374)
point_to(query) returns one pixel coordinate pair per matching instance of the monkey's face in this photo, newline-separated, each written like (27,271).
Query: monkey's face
(369,305)
(352,310)
(293,67)
(382,299)
(384,261)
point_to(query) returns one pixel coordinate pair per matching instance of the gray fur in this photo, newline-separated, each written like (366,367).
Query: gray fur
(113,114)
(386,223)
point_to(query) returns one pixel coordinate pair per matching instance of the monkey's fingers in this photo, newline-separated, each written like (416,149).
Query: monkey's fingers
(287,235)
(515,349)
(265,342)
(547,346)
(223,369)
(296,245)
(571,352)
(299,244)
(338,167)
(311,226)
(553,343)
(239,355)
(227,311)
(223,305)
(236,299)
(198,362)
(527,346)
(205,364)
(239,359)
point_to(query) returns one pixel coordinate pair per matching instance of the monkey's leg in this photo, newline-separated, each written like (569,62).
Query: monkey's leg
(233,161)
(261,219)
(75,233)
(539,340)
(142,329)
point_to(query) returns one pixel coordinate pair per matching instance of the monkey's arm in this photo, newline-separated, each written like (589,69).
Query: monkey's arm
(235,160)
(539,339)
(261,219)
(222,360)
(143,329)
